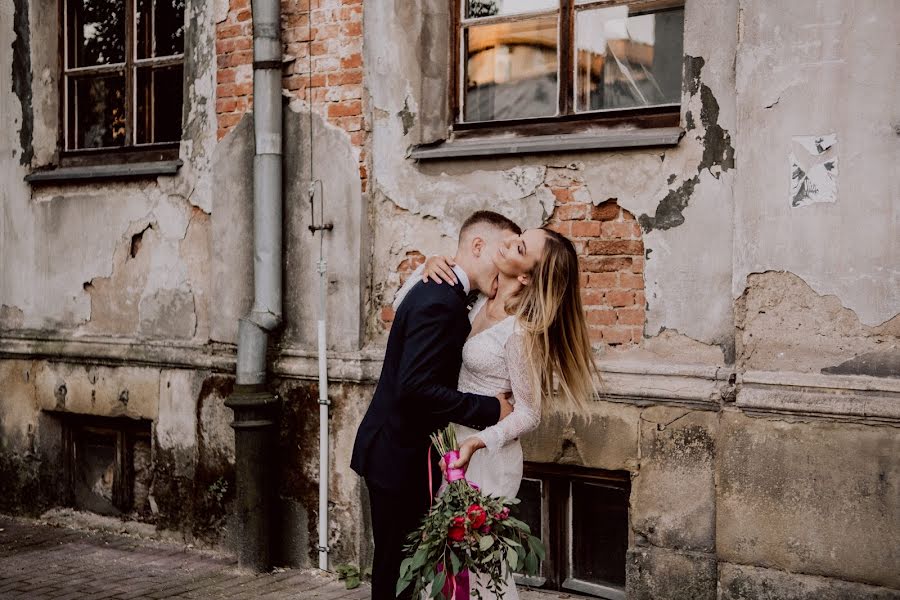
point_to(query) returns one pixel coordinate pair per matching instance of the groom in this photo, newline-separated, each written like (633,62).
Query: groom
(417,395)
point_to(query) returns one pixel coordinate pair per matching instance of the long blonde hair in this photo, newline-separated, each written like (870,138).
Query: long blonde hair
(551,317)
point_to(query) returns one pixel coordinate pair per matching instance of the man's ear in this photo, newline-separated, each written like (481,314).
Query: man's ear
(477,246)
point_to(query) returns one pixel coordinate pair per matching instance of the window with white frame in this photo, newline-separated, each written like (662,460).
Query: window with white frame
(122,75)
(581,515)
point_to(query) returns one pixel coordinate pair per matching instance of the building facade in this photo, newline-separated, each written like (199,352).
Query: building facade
(722,166)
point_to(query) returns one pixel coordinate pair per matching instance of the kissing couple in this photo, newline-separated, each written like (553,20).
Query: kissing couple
(489,370)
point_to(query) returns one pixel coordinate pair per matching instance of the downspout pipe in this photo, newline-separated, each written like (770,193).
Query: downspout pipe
(255,407)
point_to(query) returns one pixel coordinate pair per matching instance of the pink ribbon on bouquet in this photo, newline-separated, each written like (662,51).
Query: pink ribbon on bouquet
(456,587)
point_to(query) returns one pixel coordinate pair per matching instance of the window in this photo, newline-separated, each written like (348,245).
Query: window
(582,518)
(123,65)
(106,463)
(531,61)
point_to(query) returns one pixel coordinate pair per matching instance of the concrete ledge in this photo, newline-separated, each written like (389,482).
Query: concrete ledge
(700,387)
(846,397)
(93,173)
(742,582)
(613,139)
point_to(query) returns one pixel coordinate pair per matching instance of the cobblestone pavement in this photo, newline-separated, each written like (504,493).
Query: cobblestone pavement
(44,562)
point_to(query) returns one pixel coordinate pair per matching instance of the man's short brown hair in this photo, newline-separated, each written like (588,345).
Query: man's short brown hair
(492,219)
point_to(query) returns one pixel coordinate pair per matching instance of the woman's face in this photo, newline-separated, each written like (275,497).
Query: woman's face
(518,254)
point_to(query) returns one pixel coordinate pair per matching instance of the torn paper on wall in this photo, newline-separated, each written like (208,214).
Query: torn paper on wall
(813,169)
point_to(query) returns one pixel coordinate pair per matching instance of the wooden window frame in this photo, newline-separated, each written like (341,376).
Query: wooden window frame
(129,153)
(126,431)
(556,525)
(567,121)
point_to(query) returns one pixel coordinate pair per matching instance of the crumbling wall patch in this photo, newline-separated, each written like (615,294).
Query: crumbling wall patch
(21,77)
(718,151)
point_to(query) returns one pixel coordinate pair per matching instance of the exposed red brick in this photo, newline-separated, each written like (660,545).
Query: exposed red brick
(345,109)
(562,194)
(585,228)
(631,280)
(608,211)
(604,264)
(592,297)
(354,61)
(618,298)
(600,316)
(571,212)
(630,316)
(603,280)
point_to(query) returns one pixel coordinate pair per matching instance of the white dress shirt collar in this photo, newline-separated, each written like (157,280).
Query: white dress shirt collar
(463,278)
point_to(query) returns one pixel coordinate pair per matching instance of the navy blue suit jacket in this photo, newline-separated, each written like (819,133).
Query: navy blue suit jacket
(416,392)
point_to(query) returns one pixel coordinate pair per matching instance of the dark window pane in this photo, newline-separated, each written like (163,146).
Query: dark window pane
(511,70)
(95,32)
(96,112)
(158,104)
(627,61)
(599,532)
(530,508)
(492,8)
(95,472)
(160,28)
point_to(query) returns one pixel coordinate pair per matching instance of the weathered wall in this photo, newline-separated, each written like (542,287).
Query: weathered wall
(748,329)
(817,68)
(682,197)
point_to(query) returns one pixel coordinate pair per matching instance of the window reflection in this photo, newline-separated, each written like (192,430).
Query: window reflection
(97,111)
(160,28)
(159,100)
(600,540)
(511,70)
(96,32)
(627,61)
(494,8)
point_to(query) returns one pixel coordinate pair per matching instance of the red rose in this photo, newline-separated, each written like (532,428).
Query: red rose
(477,516)
(457,530)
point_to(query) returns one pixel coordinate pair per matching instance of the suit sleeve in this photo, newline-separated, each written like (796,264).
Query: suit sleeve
(433,338)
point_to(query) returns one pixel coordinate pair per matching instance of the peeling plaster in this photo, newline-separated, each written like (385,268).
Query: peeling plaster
(783,324)
(21,77)
(718,152)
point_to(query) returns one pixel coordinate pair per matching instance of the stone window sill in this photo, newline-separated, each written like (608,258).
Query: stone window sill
(105,172)
(534,144)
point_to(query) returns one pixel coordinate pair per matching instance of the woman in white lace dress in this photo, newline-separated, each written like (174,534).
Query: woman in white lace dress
(525,339)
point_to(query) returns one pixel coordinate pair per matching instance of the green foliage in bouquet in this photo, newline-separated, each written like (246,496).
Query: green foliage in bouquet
(467,530)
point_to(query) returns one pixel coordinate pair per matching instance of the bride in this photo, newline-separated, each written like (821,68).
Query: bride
(529,339)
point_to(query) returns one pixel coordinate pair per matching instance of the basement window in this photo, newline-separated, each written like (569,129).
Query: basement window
(106,463)
(122,80)
(581,515)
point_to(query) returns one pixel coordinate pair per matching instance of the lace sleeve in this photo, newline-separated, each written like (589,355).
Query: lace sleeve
(527,414)
(412,280)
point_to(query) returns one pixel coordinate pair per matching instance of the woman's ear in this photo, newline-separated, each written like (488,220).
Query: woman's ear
(524,279)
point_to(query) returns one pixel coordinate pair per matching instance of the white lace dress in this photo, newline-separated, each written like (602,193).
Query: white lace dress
(493,361)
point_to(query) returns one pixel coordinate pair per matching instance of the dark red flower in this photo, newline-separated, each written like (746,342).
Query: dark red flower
(477,516)
(503,514)
(457,531)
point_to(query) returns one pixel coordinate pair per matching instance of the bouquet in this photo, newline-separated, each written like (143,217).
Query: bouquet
(466,531)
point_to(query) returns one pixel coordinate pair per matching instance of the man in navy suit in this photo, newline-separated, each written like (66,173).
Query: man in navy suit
(417,395)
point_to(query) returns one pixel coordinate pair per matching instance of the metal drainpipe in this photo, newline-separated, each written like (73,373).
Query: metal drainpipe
(256,408)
